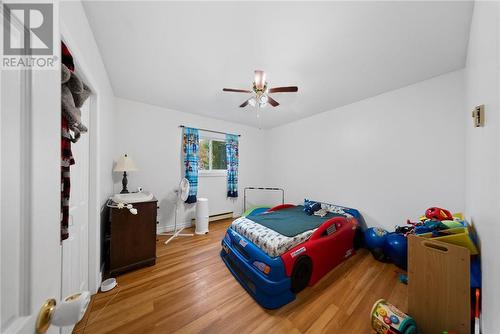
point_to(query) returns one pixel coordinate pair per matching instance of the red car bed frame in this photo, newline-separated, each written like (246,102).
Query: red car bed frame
(273,282)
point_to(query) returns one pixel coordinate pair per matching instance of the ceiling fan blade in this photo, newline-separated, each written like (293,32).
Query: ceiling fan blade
(236,90)
(272,101)
(244,104)
(289,89)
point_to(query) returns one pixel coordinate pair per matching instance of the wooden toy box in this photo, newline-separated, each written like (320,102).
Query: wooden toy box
(438,285)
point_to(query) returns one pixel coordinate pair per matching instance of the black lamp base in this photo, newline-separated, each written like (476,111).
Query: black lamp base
(124,184)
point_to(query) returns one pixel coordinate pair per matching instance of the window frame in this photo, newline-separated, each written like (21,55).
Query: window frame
(210,171)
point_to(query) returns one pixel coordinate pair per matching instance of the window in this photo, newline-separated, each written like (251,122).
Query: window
(212,156)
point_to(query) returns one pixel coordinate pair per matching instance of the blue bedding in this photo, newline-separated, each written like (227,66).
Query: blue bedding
(292,221)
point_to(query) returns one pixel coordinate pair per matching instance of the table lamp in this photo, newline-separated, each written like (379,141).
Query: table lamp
(125,164)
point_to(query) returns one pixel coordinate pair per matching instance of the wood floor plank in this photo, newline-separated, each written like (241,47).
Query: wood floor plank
(190,290)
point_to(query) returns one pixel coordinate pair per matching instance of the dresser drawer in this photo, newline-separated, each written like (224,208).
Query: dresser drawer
(132,238)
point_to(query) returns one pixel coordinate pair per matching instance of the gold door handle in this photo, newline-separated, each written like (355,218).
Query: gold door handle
(67,312)
(45,315)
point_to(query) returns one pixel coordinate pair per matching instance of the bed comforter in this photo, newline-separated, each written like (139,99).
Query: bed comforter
(271,242)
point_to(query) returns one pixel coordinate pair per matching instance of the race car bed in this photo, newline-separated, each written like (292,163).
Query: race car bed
(276,254)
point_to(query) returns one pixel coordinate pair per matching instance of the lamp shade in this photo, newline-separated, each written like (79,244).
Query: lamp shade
(125,164)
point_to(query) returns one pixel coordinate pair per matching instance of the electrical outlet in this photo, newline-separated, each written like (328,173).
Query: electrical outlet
(478,115)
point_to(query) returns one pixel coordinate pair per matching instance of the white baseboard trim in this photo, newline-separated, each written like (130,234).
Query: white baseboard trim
(170,228)
(216,217)
(212,218)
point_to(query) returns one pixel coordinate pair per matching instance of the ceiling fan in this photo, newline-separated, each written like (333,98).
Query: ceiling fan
(261,98)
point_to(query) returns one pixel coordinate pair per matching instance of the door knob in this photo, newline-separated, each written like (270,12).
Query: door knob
(45,315)
(68,312)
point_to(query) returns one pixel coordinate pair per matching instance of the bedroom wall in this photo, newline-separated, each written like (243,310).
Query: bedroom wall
(79,38)
(152,137)
(390,156)
(482,173)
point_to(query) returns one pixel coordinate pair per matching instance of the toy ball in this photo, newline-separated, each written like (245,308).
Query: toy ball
(375,240)
(396,248)
(375,237)
(438,214)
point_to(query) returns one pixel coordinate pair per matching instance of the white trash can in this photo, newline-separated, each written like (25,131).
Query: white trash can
(201,216)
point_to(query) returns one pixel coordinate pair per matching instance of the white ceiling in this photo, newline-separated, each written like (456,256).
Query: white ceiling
(180,55)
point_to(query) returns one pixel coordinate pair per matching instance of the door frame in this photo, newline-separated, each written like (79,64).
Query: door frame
(94,205)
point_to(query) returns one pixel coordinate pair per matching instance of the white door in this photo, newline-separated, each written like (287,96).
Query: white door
(75,248)
(30,194)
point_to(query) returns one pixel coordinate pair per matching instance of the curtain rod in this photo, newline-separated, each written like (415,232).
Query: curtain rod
(222,133)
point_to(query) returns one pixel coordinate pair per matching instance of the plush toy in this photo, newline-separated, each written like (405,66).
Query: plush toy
(74,92)
(311,206)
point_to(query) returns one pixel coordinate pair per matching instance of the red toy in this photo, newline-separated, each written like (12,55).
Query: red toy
(324,251)
(438,214)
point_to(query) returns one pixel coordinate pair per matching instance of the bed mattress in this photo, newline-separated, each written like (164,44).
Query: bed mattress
(271,242)
(292,221)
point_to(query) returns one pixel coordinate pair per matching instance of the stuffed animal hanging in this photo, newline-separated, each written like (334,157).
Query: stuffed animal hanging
(74,92)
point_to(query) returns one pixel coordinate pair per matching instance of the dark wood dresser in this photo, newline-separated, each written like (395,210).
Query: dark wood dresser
(130,240)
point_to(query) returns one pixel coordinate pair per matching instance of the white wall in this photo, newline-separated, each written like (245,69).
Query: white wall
(483,149)
(78,36)
(152,137)
(390,156)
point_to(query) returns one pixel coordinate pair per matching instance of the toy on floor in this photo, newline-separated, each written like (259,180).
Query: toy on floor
(396,249)
(375,241)
(387,247)
(477,328)
(437,223)
(388,319)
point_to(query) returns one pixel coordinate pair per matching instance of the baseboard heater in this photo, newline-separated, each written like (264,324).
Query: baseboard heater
(216,217)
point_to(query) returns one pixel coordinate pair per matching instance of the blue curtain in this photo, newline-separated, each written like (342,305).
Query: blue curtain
(232,165)
(191,142)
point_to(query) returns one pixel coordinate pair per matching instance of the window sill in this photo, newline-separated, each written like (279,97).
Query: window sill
(212,173)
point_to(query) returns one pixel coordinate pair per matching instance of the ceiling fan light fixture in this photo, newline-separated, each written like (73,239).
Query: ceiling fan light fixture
(260,79)
(252,102)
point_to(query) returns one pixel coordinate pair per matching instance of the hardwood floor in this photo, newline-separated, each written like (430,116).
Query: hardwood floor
(190,290)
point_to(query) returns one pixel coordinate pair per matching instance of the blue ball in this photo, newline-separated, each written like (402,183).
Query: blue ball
(396,248)
(375,238)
